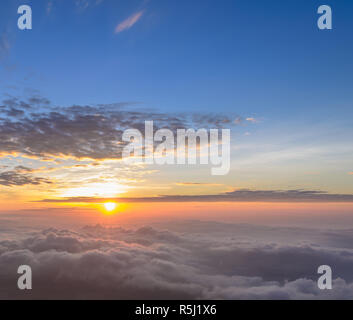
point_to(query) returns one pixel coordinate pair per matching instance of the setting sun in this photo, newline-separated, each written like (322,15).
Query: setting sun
(110,206)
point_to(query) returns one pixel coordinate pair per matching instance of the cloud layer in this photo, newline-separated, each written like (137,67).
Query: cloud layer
(215,261)
(34,128)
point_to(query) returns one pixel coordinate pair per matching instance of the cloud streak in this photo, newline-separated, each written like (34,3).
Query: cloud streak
(129,22)
(241,195)
(192,184)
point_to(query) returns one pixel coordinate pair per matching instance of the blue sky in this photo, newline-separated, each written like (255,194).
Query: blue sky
(265,57)
(261,59)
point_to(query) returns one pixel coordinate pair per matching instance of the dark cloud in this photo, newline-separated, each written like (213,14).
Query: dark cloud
(13,112)
(17,178)
(242,195)
(149,263)
(37,101)
(34,128)
(23,169)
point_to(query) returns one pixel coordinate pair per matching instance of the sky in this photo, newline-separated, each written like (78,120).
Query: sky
(266,63)
(90,69)
(92,226)
(283,86)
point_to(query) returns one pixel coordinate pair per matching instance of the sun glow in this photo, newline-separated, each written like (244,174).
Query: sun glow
(101,189)
(110,206)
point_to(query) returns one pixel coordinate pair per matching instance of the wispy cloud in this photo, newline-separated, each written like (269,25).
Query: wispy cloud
(84,4)
(4,44)
(129,22)
(252,120)
(197,184)
(50,5)
(81,5)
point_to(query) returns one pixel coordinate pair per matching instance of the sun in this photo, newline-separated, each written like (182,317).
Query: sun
(110,206)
